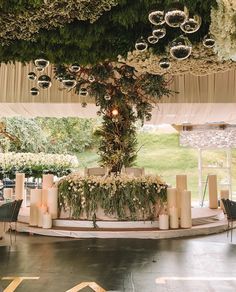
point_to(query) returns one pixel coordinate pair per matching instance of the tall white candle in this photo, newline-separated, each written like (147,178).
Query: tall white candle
(20,186)
(48,180)
(181,185)
(47,221)
(213,197)
(7,193)
(35,202)
(174,218)
(45,197)
(171,197)
(41,211)
(52,202)
(163,221)
(186,215)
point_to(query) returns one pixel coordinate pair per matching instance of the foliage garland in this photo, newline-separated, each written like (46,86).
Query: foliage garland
(124,97)
(113,34)
(127,198)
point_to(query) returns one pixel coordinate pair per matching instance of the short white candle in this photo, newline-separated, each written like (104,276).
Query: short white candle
(7,193)
(41,210)
(47,221)
(163,221)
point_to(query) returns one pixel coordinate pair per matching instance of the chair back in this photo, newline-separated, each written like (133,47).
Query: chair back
(6,211)
(16,210)
(95,171)
(230,208)
(133,171)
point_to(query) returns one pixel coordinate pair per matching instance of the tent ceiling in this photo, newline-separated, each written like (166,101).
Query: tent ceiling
(199,99)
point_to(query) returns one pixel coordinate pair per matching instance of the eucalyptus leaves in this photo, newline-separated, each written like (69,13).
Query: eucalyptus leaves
(127,198)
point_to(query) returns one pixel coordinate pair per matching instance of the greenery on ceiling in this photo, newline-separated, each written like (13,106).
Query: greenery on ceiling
(113,34)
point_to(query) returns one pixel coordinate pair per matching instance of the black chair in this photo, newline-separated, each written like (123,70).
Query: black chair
(230,209)
(9,214)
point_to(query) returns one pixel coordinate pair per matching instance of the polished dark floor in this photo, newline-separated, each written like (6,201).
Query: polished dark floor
(120,264)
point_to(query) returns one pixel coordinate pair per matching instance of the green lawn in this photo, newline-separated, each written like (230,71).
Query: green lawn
(161,154)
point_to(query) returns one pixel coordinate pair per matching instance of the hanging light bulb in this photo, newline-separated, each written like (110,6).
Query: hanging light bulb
(83,104)
(75,68)
(141,45)
(44,81)
(115,112)
(208,41)
(69,81)
(175,16)
(83,91)
(153,39)
(107,96)
(159,32)
(181,48)
(156,17)
(164,63)
(34,91)
(40,69)
(32,76)
(41,63)
(191,25)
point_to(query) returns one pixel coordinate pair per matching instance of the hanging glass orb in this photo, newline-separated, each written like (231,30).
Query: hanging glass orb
(83,91)
(91,78)
(164,63)
(44,81)
(107,97)
(32,76)
(181,48)
(156,17)
(141,45)
(75,68)
(34,91)
(69,82)
(175,16)
(83,104)
(41,63)
(208,41)
(40,69)
(159,32)
(191,25)
(153,39)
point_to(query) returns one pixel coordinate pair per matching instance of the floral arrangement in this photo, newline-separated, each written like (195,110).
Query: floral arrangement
(128,198)
(24,25)
(34,165)
(223,27)
(203,61)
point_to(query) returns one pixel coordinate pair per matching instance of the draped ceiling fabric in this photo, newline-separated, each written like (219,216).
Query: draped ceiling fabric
(198,99)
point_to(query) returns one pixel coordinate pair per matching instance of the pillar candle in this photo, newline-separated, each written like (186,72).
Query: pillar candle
(41,210)
(35,202)
(213,197)
(52,202)
(186,216)
(181,185)
(48,180)
(163,221)
(45,197)
(171,197)
(20,186)
(47,221)
(174,218)
(224,194)
(7,193)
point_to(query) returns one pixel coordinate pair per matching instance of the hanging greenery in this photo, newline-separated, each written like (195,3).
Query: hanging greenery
(125,198)
(124,97)
(113,34)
